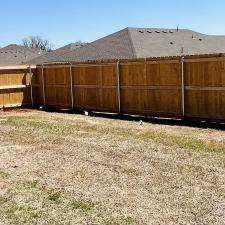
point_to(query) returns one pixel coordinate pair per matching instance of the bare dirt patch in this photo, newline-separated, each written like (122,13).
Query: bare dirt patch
(73,169)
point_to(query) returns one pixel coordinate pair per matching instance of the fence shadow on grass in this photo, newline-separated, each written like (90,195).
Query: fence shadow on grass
(150,120)
(166,121)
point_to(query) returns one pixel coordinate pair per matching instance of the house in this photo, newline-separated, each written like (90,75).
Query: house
(128,43)
(50,56)
(18,54)
(145,42)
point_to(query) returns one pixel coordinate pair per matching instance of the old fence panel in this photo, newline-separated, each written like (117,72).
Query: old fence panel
(15,86)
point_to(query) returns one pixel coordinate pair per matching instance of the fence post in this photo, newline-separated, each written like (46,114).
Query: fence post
(31,87)
(118,85)
(43,84)
(183,87)
(71,86)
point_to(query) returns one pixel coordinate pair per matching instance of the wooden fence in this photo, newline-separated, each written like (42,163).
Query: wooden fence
(15,88)
(125,87)
(174,87)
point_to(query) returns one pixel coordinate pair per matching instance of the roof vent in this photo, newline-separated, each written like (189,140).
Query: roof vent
(171,31)
(164,31)
(157,31)
(149,31)
(171,43)
(200,39)
(141,31)
(182,50)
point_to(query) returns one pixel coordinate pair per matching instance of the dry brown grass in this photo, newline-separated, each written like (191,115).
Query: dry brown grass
(72,169)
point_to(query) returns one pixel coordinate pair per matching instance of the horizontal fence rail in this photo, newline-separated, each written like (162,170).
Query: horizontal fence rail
(189,87)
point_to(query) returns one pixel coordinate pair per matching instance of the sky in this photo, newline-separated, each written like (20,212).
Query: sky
(66,21)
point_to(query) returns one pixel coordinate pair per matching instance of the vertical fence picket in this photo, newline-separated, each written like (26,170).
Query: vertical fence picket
(182,87)
(43,84)
(31,86)
(71,86)
(118,85)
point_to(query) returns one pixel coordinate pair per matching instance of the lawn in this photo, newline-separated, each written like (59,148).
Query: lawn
(72,169)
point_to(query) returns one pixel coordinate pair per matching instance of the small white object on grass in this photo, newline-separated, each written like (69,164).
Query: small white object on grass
(141,122)
(86,113)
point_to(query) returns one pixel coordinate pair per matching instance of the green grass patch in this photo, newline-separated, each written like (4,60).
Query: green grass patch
(186,142)
(3,174)
(83,205)
(55,197)
(3,200)
(120,221)
(43,131)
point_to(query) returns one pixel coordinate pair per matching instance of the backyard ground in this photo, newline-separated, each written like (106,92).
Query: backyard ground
(73,169)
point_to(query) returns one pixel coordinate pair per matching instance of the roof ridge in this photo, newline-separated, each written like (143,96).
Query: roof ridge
(109,35)
(131,42)
(49,53)
(96,41)
(65,53)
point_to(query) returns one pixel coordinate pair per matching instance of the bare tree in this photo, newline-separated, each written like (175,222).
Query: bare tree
(37,42)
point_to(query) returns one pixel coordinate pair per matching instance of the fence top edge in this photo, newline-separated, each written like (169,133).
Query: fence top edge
(17,67)
(148,59)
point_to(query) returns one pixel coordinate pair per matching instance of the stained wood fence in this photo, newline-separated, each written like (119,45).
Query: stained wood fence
(174,87)
(15,85)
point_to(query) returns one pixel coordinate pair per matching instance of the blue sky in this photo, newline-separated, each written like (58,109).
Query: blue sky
(66,21)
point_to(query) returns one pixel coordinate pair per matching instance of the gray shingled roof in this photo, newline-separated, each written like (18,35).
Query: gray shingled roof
(50,56)
(17,54)
(168,42)
(146,42)
(125,44)
(117,45)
